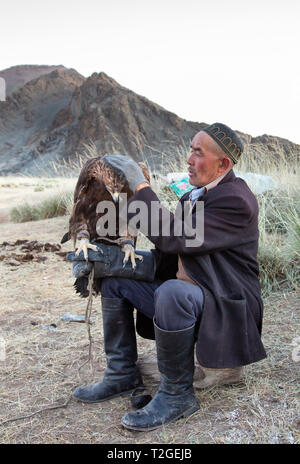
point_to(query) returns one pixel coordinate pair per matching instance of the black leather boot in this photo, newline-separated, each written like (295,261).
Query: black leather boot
(122,375)
(175,397)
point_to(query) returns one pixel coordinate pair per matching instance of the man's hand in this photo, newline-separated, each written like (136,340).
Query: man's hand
(127,166)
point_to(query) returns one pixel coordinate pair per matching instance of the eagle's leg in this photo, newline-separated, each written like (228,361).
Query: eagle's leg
(129,251)
(84,244)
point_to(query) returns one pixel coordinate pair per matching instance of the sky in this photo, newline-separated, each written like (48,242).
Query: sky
(230,61)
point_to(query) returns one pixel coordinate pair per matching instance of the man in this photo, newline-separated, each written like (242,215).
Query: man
(208,293)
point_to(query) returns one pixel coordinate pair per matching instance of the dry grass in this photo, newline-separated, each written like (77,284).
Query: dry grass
(41,366)
(53,206)
(32,195)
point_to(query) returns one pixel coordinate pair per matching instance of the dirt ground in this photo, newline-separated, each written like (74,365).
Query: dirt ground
(41,363)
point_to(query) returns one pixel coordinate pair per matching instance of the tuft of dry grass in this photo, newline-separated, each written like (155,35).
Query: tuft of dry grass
(57,205)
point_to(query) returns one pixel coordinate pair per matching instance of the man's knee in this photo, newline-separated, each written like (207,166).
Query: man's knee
(177,304)
(166,294)
(175,291)
(168,300)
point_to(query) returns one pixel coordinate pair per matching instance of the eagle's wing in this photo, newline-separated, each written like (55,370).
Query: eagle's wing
(89,190)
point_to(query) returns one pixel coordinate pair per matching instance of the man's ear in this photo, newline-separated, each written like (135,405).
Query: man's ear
(224,164)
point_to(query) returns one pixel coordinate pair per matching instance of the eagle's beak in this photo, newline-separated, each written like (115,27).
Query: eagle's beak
(115,196)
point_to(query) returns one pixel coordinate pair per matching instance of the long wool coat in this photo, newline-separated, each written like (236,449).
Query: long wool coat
(225,267)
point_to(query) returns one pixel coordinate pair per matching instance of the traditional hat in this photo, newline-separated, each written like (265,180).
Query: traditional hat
(227,139)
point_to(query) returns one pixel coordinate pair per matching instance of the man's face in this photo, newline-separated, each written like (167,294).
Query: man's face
(204,163)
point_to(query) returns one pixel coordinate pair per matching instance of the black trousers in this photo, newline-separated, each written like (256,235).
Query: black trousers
(175,304)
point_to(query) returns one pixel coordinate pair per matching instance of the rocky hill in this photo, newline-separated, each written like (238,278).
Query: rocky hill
(17,76)
(118,120)
(26,119)
(52,116)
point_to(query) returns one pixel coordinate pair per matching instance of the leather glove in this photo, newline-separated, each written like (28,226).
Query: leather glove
(128,167)
(108,262)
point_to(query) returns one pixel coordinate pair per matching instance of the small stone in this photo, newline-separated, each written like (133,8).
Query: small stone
(13,262)
(49,327)
(68,317)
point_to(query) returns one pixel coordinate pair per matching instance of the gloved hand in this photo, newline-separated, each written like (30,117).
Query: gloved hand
(108,262)
(128,167)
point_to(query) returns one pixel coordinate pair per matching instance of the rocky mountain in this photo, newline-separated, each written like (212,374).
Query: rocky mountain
(26,119)
(118,120)
(17,76)
(271,146)
(53,116)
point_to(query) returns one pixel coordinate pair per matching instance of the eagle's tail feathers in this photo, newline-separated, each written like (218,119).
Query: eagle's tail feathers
(81,286)
(65,238)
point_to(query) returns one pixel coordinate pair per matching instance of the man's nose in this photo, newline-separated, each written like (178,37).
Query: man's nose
(190,158)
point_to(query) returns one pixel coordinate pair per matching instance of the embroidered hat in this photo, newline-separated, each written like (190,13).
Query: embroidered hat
(227,139)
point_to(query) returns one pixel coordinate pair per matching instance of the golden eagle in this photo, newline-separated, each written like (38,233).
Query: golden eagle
(98,182)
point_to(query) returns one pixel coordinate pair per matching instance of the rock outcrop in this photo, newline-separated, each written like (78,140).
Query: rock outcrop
(120,121)
(26,118)
(17,76)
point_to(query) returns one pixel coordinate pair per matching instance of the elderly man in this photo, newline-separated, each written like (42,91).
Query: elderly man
(208,293)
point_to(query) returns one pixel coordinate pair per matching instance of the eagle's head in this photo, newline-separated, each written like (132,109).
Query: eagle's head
(114,188)
(114,180)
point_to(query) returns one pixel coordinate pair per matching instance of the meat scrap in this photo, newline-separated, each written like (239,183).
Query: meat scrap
(11,253)
(38,246)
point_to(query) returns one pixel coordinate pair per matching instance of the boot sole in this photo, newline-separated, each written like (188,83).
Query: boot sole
(126,393)
(187,413)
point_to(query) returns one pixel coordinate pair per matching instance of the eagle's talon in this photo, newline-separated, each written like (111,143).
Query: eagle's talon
(129,253)
(125,260)
(84,244)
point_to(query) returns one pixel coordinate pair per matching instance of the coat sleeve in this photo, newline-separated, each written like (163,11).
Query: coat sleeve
(229,221)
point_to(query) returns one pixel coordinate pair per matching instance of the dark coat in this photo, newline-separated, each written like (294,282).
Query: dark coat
(225,267)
